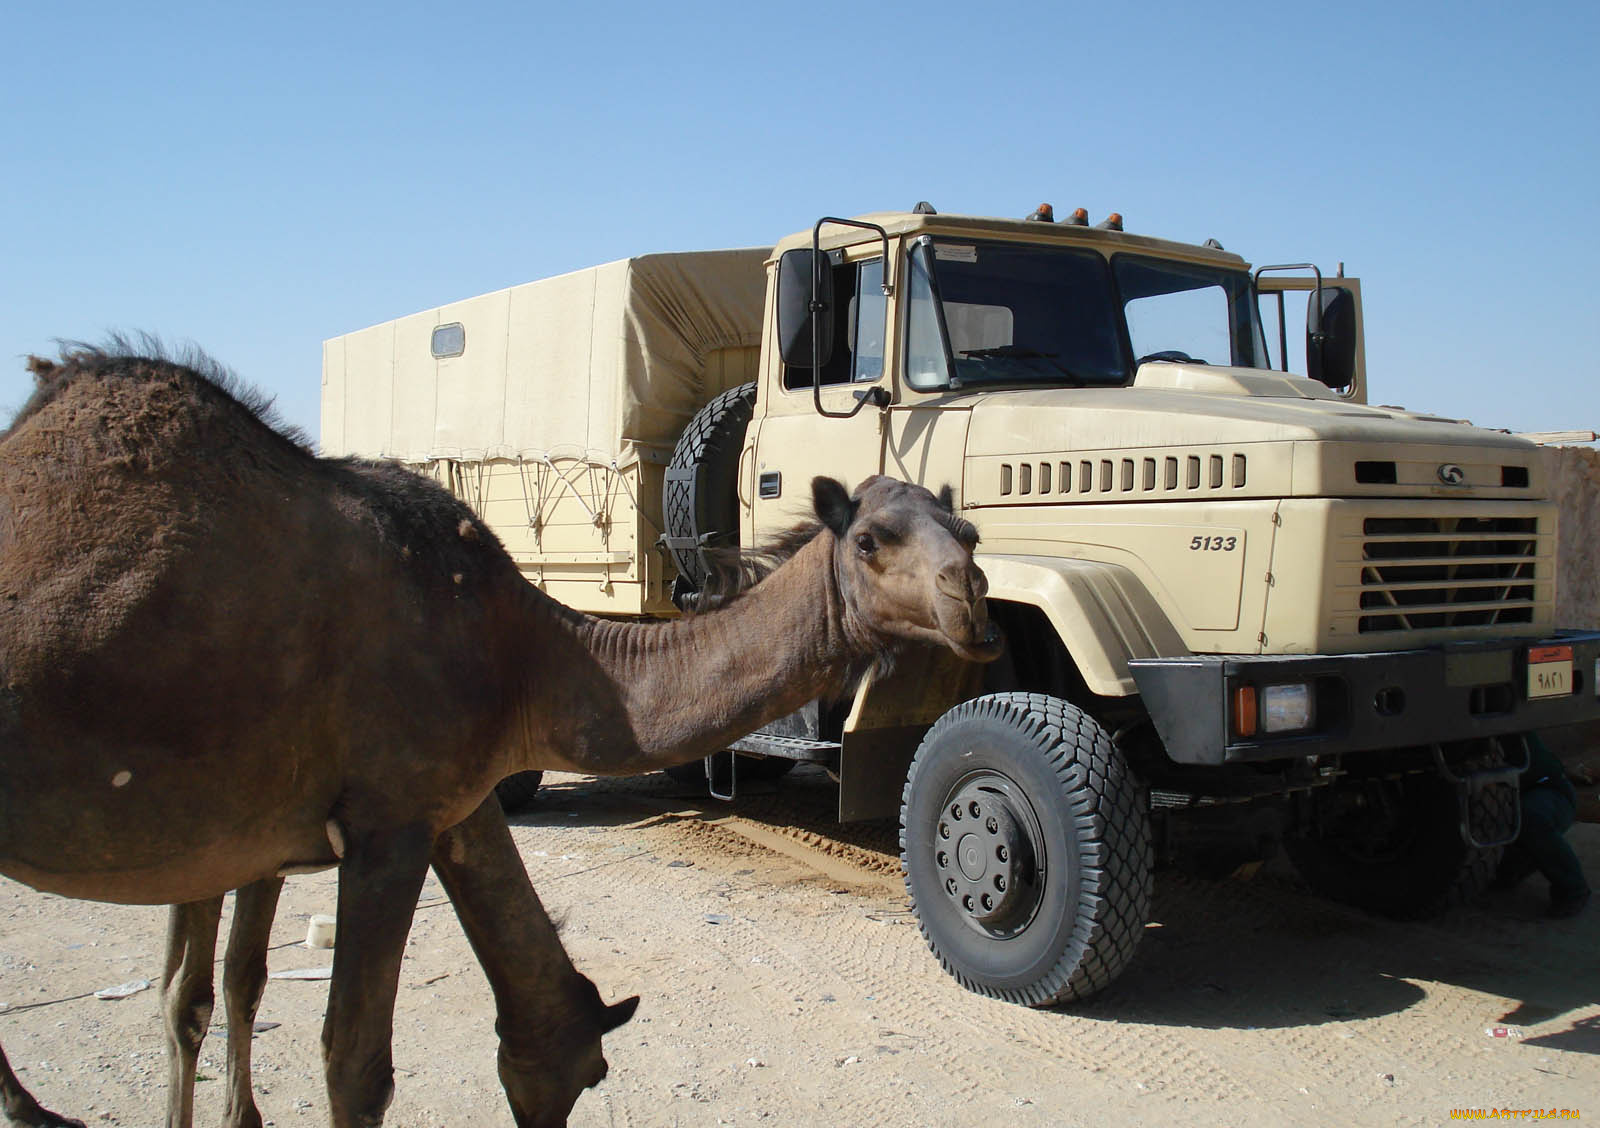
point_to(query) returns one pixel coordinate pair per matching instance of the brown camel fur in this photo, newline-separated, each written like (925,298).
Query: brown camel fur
(222,658)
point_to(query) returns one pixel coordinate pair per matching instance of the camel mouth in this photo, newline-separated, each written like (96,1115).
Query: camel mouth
(983,641)
(989,646)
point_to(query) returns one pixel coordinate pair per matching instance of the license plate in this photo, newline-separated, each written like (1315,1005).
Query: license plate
(1549,671)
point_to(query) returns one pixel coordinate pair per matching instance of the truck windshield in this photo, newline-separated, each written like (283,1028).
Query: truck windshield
(1185,312)
(1011,313)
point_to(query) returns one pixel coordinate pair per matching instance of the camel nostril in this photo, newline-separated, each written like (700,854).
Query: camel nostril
(955,583)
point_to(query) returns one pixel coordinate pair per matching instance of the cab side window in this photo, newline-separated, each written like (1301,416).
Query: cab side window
(860,314)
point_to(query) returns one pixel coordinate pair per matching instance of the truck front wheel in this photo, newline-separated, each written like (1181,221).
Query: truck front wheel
(1026,848)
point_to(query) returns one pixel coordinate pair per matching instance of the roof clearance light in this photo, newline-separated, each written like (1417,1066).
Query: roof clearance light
(1112,222)
(1044,213)
(1079,217)
(1286,708)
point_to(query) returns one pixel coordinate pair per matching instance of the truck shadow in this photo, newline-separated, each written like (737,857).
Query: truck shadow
(1264,954)
(1248,953)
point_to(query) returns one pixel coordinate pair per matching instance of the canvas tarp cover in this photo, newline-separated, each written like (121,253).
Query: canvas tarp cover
(589,363)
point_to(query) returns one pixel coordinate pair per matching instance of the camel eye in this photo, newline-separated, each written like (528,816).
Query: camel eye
(865,544)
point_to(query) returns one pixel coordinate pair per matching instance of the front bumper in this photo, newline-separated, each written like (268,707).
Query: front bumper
(1367,702)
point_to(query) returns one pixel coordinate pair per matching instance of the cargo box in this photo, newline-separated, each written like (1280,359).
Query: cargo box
(552,408)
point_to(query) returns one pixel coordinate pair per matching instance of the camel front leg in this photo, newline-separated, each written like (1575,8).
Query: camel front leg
(21,1110)
(379,880)
(549,1016)
(244,978)
(187,996)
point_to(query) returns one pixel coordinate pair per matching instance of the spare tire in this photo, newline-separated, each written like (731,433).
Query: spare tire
(700,500)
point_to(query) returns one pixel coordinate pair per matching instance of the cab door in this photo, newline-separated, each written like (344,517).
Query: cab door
(792,442)
(1285,304)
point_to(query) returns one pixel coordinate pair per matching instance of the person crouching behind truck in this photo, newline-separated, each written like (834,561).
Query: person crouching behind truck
(1549,808)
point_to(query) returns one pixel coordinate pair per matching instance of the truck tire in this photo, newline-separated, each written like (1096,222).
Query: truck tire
(517,791)
(1025,842)
(1393,846)
(700,499)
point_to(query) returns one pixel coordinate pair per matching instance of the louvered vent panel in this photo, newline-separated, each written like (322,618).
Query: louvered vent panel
(1112,477)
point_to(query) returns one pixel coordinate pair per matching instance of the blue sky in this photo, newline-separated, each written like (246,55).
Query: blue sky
(255,181)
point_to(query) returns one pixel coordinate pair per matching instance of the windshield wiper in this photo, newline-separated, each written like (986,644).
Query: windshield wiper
(1020,352)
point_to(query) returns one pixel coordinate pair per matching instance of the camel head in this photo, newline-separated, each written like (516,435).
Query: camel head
(904,562)
(541,1085)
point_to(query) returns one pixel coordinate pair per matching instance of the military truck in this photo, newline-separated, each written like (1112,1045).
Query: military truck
(1227,589)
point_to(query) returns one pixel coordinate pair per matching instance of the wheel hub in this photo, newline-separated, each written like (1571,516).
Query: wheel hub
(984,856)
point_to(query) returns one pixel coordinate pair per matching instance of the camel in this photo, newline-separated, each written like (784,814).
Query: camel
(223,659)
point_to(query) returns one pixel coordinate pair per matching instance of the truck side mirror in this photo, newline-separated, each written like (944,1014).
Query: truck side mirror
(797,270)
(1331,337)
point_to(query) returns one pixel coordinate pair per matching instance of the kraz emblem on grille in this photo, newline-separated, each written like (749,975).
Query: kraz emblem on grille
(1452,475)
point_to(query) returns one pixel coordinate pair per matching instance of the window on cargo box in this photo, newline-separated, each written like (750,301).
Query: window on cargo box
(449,340)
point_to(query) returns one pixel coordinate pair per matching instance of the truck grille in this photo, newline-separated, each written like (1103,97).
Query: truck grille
(1427,572)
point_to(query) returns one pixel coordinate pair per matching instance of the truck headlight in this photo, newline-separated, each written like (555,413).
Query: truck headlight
(1286,708)
(1272,709)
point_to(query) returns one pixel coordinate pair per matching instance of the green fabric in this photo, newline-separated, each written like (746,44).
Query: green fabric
(1549,808)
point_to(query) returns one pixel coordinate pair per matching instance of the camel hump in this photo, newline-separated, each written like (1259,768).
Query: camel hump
(145,359)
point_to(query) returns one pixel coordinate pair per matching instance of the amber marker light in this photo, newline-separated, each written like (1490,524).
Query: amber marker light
(1244,711)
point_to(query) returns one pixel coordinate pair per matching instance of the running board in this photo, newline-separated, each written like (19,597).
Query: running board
(765,744)
(789,747)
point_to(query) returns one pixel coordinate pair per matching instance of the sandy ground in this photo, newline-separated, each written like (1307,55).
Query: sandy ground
(785,982)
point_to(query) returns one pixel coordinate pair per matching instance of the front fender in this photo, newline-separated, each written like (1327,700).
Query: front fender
(1103,615)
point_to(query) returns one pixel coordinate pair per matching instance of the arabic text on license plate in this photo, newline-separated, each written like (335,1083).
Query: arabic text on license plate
(1549,671)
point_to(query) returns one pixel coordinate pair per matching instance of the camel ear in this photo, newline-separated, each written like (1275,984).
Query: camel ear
(618,1013)
(947,497)
(833,504)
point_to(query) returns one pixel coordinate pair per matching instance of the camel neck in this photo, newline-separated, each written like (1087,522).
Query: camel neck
(661,694)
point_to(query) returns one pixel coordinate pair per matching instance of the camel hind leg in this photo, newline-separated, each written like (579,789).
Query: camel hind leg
(244,978)
(379,879)
(187,997)
(21,1110)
